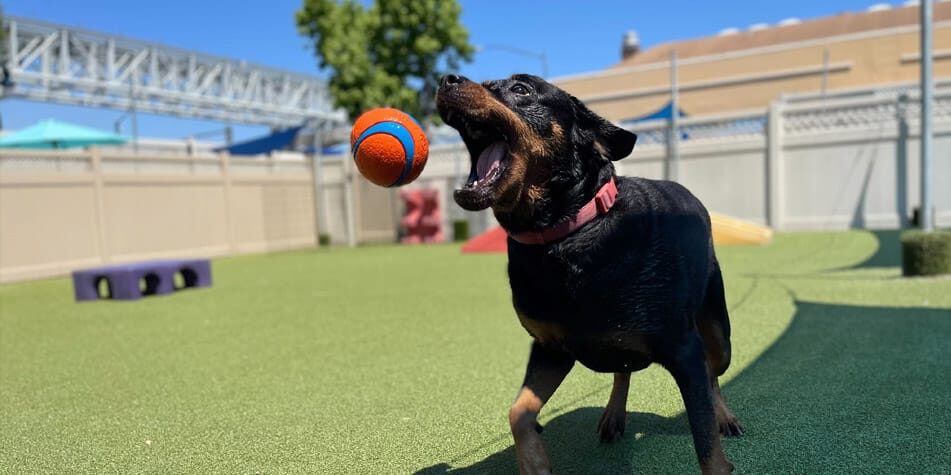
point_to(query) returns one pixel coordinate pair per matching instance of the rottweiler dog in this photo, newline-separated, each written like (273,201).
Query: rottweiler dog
(613,272)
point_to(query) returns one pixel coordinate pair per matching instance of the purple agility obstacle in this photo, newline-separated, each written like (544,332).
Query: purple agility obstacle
(133,281)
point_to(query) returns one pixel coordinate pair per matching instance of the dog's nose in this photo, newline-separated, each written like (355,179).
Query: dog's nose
(450,80)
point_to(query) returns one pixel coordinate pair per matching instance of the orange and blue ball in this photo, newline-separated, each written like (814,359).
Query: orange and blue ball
(389,146)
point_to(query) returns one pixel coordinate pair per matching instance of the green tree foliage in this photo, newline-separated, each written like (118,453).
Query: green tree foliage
(3,37)
(4,71)
(389,54)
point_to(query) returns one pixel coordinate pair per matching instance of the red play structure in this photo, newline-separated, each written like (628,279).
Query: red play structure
(423,219)
(493,240)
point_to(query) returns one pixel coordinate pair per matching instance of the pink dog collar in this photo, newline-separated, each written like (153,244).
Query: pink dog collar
(599,205)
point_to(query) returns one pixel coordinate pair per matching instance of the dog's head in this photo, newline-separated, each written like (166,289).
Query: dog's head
(529,141)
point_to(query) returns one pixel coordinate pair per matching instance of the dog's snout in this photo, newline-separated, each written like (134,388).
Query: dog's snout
(450,80)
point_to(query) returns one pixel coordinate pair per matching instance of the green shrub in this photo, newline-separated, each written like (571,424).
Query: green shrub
(460,230)
(323,240)
(925,253)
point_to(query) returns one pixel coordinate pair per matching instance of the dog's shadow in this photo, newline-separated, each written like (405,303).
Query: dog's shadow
(572,443)
(846,388)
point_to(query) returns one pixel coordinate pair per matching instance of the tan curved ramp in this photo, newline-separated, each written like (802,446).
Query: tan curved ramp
(727,230)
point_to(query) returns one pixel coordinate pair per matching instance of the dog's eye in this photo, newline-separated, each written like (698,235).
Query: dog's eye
(519,89)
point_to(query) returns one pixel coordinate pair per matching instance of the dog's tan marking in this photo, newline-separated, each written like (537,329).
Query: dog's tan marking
(717,464)
(544,332)
(557,133)
(522,185)
(523,418)
(728,424)
(600,149)
(484,106)
(535,192)
(544,374)
(614,418)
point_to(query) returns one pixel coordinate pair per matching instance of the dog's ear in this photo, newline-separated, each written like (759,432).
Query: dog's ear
(612,141)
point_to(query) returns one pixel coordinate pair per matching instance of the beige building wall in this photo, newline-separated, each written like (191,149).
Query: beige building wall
(752,78)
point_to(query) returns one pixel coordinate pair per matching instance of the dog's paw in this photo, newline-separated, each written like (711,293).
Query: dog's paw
(533,463)
(731,427)
(723,468)
(611,425)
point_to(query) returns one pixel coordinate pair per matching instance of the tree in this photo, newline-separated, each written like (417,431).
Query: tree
(390,54)
(3,37)
(4,72)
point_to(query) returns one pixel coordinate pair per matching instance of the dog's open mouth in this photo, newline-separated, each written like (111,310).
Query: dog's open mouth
(486,126)
(490,163)
(487,170)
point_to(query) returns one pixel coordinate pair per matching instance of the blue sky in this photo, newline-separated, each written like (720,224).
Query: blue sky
(576,36)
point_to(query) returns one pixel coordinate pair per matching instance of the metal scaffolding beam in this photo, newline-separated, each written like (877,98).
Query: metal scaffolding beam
(55,63)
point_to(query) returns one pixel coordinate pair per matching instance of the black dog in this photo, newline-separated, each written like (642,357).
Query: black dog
(616,273)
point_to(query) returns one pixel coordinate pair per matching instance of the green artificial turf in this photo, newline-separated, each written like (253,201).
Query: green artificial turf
(405,360)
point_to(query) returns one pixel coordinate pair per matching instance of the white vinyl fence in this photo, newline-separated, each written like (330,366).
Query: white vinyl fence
(848,160)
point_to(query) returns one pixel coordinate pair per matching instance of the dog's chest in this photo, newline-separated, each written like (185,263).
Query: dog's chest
(545,293)
(617,350)
(566,304)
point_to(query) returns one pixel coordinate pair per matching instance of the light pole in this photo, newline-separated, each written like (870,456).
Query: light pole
(133,117)
(541,57)
(673,136)
(927,95)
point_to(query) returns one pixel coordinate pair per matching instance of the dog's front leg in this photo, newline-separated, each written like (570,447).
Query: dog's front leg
(689,368)
(546,370)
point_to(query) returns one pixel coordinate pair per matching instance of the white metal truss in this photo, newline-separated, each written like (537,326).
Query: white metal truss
(55,63)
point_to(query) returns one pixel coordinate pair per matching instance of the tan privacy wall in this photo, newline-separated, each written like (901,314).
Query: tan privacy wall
(60,211)
(848,160)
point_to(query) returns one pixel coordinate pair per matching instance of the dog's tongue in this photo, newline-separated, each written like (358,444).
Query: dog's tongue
(489,158)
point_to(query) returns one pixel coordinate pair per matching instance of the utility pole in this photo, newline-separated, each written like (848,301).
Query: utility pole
(540,56)
(673,134)
(927,132)
(825,73)
(319,202)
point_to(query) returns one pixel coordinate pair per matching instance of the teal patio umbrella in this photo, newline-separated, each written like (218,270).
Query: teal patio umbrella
(52,133)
